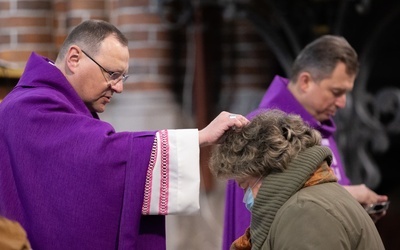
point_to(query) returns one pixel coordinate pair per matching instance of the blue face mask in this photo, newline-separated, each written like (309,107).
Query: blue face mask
(248,198)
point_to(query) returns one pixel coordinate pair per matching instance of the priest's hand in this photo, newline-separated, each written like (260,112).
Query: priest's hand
(214,131)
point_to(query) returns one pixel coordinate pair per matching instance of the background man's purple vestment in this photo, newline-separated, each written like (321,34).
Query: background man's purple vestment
(237,217)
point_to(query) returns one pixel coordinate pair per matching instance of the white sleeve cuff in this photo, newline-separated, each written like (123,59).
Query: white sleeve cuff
(173,179)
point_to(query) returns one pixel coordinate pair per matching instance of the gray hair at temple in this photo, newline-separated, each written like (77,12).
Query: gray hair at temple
(321,56)
(266,145)
(89,34)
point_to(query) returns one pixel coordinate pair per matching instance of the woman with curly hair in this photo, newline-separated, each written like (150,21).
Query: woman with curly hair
(290,189)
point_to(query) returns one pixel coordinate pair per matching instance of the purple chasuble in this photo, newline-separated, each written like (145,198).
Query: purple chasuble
(68,177)
(237,217)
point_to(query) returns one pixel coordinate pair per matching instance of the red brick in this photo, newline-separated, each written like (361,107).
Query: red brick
(5,39)
(130,3)
(4,6)
(139,69)
(163,35)
(137,35)
(60,6)
(100,17)
(34,5)
(59,40)
(146,85)
(86,5)
(24,22)
(73,21)
(150,53)
(143,18)
(18,56)
(35,38)
(21,56)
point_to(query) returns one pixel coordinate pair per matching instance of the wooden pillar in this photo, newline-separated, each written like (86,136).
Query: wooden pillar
(206,81)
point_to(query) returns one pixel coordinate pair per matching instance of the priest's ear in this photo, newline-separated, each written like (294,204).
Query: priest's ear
(73,57)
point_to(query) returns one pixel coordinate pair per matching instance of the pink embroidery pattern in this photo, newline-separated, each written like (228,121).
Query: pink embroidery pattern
(149,179)
(164,181)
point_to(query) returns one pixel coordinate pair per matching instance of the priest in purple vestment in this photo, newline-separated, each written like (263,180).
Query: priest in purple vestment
(69,178)
(322,74)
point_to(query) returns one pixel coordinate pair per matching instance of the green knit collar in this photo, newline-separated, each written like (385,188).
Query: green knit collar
(277,188)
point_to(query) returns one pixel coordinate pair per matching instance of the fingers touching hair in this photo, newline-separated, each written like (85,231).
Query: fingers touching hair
(267,144)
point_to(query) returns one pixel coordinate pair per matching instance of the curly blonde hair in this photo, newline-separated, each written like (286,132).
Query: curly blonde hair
(266,145)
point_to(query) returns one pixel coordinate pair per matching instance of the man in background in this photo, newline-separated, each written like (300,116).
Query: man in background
(322,74)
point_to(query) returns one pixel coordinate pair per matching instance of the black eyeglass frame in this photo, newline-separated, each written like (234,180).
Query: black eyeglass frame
(114,76)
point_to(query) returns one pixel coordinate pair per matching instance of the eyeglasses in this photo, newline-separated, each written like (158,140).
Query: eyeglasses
(115,77)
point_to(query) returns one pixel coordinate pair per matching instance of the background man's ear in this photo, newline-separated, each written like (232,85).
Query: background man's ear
(304,81)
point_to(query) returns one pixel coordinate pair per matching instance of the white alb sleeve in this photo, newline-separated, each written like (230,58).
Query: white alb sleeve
(173,177)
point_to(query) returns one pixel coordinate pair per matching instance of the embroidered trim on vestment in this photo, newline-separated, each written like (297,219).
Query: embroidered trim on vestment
(164,181)
(149,179)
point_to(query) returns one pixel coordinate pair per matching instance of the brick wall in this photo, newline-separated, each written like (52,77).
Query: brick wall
(25,26)
(248,66)
(42,25)
(246,56)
